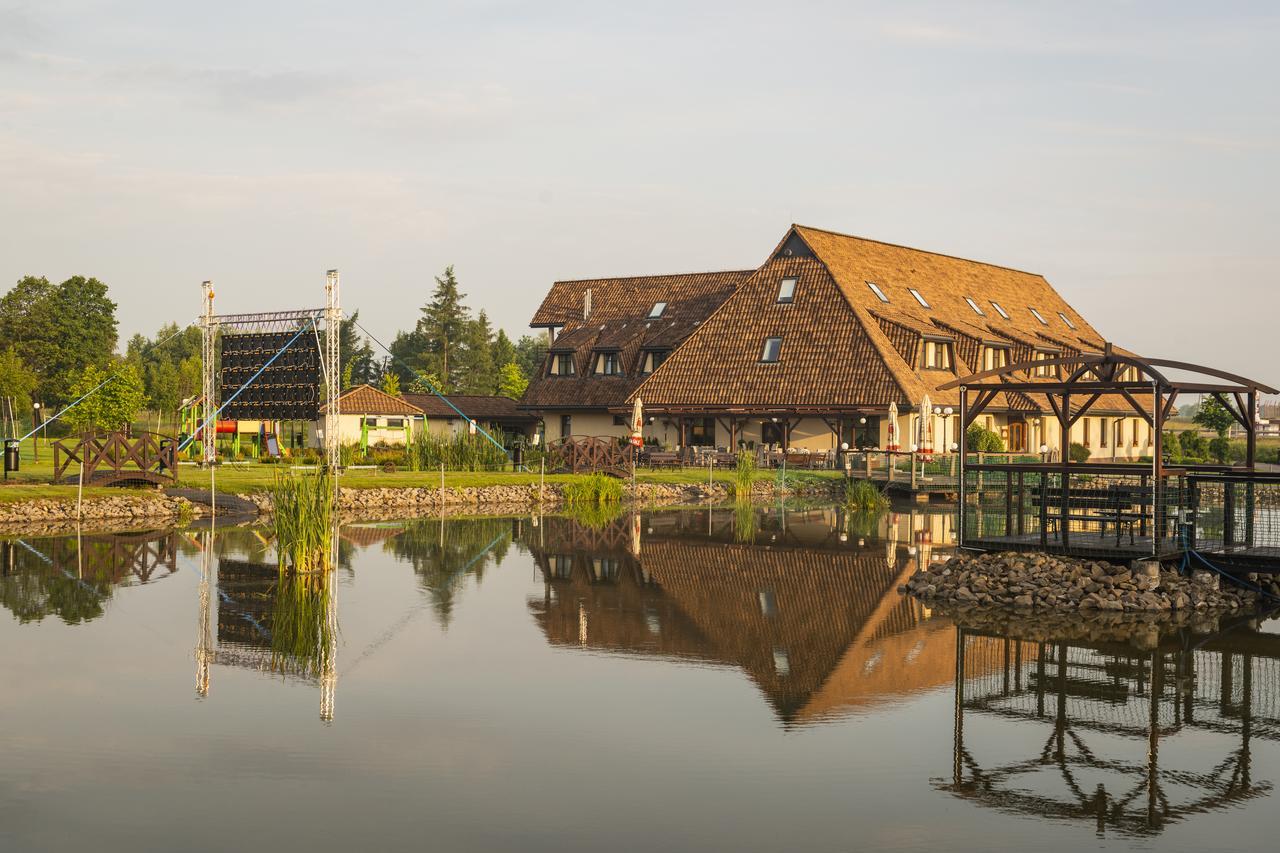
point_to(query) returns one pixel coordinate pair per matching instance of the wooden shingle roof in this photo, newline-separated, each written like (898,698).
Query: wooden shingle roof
(843,346)
(619,321)
(480,407)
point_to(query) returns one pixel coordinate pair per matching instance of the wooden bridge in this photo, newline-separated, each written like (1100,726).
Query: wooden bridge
(117,459)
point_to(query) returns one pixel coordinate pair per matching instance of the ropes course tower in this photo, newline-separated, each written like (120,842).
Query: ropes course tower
(272,366)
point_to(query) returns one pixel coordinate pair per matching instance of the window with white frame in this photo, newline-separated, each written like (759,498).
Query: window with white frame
(658,309)
(1067,320)
(875,288)
(787,289)
(1000,309)
(918,297)
(772,350)
(975,307)
(1036,314)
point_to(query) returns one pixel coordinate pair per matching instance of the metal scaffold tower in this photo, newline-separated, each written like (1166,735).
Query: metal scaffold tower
(322,323)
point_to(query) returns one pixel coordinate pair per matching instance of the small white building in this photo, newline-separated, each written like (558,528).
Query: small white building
(368,416)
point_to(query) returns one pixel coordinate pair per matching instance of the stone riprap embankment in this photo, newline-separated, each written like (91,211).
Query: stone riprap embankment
(125,508)
(1041,581)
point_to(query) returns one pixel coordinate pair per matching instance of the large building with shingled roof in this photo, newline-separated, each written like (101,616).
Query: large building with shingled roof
(812,349)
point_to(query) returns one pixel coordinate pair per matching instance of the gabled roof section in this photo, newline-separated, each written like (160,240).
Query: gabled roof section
(367,400)
(828,357)
(631,298)
(944,281)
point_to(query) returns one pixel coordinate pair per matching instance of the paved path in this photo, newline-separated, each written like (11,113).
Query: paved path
(229,504)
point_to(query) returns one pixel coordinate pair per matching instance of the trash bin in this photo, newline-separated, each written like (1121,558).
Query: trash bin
(10,455)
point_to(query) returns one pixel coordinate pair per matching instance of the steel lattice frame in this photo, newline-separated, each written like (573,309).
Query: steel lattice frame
(327,319)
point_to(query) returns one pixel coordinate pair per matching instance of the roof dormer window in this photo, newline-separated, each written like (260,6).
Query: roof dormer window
(787,289)
(609,364)
(658,309)
(562,364)
(918,297)
(936,355)
(772,350)
(975,307)
(1036,314)
(875,288)
(653,360)
(999,309)
(1067,320)
(994,357)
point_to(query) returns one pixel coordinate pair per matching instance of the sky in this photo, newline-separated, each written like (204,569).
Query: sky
(1125,150)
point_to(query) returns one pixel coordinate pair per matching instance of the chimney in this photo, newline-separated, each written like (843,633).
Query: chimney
(586,305)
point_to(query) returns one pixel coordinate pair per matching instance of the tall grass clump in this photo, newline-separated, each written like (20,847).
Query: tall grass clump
(460,452)
(302,513)
(863,496)
(744,474)
(592,490)
(746,523)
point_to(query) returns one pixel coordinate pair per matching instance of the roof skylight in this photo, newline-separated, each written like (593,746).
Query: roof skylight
(875,288)
(1036,314)
(658,309)
(787,289)
(975,307)
(918,297)
(1067,320)
(772,350)
(999,310)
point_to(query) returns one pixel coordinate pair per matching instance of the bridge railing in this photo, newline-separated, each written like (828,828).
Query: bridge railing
(118,456)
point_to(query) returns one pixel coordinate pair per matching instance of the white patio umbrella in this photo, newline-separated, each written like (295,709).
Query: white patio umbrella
(637,419)
(892,443)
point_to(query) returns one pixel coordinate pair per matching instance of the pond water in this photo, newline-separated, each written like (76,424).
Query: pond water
(677,680)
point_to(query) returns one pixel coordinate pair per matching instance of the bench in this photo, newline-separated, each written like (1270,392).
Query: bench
(1116,505)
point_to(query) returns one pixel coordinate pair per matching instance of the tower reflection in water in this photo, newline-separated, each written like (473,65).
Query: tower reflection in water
(1111,721)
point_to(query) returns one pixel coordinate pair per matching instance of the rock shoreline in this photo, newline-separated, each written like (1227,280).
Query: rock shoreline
(158,507)
(1031,581)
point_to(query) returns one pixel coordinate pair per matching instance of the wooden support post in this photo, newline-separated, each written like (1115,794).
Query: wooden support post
(1044,510)
(1022,503)
(1228,514)
(1008,503)
(960,484)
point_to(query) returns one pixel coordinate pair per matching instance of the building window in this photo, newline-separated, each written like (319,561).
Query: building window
(653,360)
(658,309)
(975,307)
(787,289)
(562,566)
(566,426)
(937,355)
(918,297)
(702,432)
(562,364)
(1102,432)
(1087,440)
(1045,371)
(994,357)
(395,423)
(609,364)
(1000,309)
(605,569)
(772,350)
(1137,425)
(1036,314)
(619,420)
(771,433)
(1067,320)
(877,291)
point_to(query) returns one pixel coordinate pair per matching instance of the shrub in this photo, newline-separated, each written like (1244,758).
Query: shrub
(1172,447)
(979,439)
(1220,449)
(1195,447)
(1078,452)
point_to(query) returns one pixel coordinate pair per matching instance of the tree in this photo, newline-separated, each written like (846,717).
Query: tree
(1212,415)
(979,439)
(1220,449)
(59,329)
(511,382)
(531,353)
(407,350)
(391,384)
(444,327)
(114,405)
(16,381)
(479,374)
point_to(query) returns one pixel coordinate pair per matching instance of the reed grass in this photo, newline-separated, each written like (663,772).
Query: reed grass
(592,490)
(746,523)
(863,496)
(461,452)
(744,474)
(302,513)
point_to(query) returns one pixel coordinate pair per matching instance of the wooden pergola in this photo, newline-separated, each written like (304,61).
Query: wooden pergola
(1083,380)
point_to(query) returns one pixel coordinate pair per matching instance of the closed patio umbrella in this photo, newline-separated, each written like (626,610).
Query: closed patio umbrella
(892,437)
(926,427)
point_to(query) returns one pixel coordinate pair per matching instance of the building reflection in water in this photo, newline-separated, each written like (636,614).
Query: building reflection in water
(1111,720)
(804,602)
(73,577)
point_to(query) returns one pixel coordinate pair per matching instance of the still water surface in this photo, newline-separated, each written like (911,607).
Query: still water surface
(681,680)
